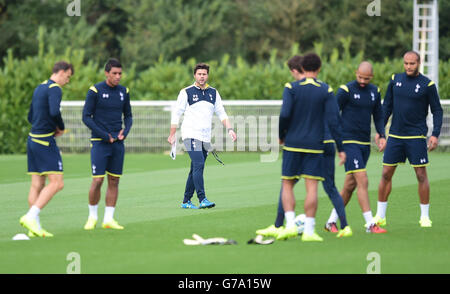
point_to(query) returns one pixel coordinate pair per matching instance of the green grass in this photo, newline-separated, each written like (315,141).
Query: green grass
(246,193)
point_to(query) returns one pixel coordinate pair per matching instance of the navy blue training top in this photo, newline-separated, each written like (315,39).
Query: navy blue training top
(103,110)
(357,105)
(407,99)
(44,114)
(307,106)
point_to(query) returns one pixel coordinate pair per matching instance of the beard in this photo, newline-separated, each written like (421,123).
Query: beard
(414,73)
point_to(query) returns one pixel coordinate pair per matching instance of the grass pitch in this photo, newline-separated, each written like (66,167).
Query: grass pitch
(246,194)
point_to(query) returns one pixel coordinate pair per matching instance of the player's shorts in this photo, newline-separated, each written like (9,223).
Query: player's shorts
(397,150)
(298,165)
(43,155)
(357,156)
(107,158)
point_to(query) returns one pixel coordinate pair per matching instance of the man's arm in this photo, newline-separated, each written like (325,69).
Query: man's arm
(436,110)
(127,117)
(388,102)
(221,113)
(334,124)
(333,120)
(88,116)
(230,130)
(177,111)
(30,113)
(378,121)
(285,113)
(342,96)
(54,103)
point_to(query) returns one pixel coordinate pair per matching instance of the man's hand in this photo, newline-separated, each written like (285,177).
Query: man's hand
(232,135)
(432,143)
(58,132)
(281,142)
(120,136)
(171,139)
(172,135)
(111,139)
(342,157)
(380,142)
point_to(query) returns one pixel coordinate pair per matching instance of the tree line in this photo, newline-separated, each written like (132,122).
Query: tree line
(141,32)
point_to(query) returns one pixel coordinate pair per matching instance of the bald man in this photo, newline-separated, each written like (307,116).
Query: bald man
(408,97)
(358,101)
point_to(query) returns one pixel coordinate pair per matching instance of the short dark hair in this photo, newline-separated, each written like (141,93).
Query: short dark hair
(295,63)
(112,62)
(201,66)
(413,52)
(311,62)
(62,65)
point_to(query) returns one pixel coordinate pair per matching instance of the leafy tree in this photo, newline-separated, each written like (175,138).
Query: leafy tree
(172,28)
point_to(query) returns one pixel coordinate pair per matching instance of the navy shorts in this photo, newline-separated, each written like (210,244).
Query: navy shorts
(397,150)
(107,158)
(298,165)
(43,155)
(357,157)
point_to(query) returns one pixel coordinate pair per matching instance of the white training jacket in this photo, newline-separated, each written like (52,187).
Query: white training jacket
(198,106)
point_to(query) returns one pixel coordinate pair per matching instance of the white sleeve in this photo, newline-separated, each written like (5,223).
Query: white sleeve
(179,108)
(219,109)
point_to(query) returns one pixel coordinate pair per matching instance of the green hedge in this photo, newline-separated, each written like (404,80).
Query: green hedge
(236,80)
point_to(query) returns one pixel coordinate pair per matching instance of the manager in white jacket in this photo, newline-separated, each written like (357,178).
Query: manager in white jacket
(198,102)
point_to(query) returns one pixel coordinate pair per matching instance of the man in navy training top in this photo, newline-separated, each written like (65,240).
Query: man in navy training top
(359,101)
(307,105)
(44,157)
(295,68)
(408,97)
(198,103)
(106,103)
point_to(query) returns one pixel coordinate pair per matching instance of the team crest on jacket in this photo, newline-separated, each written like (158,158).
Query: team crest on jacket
(121,96)
(417,88)
(373,96)
(195,97)
(105,96)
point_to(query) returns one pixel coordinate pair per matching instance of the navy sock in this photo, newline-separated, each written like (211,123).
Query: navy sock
(280,212)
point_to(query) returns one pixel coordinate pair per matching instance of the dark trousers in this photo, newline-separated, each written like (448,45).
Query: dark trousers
(198,151)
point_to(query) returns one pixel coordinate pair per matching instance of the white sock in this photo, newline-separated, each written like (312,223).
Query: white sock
(290,218)
(368,217)
(93,211)
(310,222)
(109,213)
(33,212)
(381,209)
(424,208)
(333,217)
